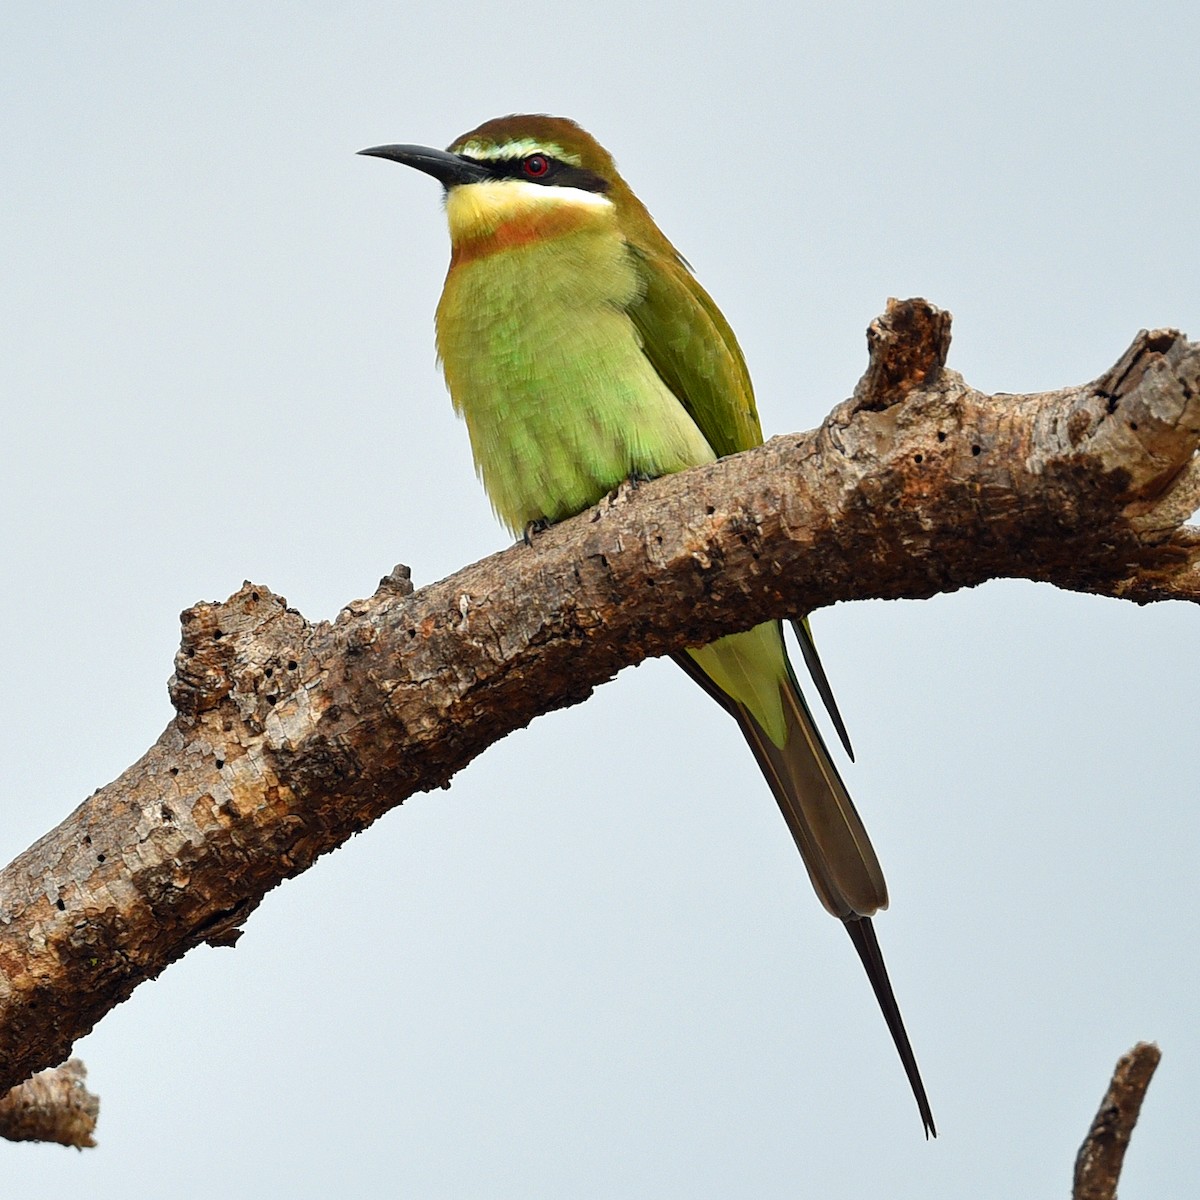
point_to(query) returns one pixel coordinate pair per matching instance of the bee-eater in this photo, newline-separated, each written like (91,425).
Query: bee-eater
(581,352)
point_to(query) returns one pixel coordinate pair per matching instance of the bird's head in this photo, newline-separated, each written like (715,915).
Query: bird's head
(511,168)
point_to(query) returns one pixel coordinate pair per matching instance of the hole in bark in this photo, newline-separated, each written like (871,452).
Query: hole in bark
(292,664)
(87,839)
(60,905)
(174,770)
(220,763)
(99,857)
(1132,424)
(167,814)
(941,436)
(191,652)
(412,633)
(918,458)
(650,583)
(254,596)
(976,450)
(269,672)
(709,510)
(272,699)
(217,635)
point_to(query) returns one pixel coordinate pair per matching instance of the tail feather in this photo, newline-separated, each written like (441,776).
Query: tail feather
(829,834)
(810,793)
(840,859)
(862,934)
(818,810)
(812,660)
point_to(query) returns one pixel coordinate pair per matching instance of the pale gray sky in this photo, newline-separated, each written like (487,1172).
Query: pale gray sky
(594,967)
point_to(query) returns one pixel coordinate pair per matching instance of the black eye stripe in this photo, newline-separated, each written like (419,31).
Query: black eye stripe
(556,174)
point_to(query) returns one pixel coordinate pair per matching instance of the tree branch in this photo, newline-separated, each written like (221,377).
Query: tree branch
(1098,1164)
(289,736)
(53,1106)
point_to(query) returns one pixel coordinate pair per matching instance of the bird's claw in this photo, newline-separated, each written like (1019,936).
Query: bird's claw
(540,525)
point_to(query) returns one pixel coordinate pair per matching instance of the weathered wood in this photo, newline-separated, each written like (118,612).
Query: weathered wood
(289,736)
(1098,1164)
(53,1106)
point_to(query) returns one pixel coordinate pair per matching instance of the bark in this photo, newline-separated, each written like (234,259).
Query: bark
(1098,1164)
(290,736)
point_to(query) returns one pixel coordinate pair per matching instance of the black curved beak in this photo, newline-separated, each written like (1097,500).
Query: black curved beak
(448,169)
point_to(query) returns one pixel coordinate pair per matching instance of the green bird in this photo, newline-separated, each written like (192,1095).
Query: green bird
(582,352)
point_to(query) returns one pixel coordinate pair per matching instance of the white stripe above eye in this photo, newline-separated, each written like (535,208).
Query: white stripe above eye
(519,148)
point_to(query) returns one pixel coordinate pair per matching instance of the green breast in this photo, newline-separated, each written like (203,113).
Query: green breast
(545,365)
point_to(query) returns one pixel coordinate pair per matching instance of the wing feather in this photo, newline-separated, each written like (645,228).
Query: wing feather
(695,352)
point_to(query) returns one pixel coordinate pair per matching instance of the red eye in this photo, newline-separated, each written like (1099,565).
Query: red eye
(535,166)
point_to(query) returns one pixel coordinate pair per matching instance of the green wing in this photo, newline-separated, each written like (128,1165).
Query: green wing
(695,353)
(691,346)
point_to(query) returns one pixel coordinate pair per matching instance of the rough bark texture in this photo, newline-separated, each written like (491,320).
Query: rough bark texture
(289,737)
(53,1106)
(1098,1164)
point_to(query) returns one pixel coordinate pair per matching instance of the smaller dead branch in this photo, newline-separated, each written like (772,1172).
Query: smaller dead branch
(52,1106)
(1098,1164)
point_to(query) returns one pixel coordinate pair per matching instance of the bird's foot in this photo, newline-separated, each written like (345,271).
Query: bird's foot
(532,527)
(629,484)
